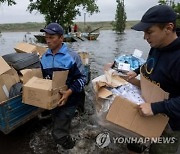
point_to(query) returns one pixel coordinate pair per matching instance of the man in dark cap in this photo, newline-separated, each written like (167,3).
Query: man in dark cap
(162,68)
(59,58)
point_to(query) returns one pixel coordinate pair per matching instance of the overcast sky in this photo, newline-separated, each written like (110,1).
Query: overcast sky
(134,10)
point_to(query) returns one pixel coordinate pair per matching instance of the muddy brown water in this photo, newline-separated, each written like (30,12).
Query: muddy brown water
(34,137)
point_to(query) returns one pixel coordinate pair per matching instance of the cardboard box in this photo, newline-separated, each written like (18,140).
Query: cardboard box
(125,113)
(100,84)
(8,77)
(29,73)
(40,50)
(4,67)
(44,93)
(25,48)
(108,80)
(30,48)
(7,80)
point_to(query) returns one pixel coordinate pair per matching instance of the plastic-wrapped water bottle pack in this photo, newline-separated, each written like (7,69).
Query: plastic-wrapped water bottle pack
(129,59)
(131,62)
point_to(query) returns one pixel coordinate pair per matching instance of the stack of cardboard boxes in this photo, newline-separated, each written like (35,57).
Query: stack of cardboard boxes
(8,77)
(37,91)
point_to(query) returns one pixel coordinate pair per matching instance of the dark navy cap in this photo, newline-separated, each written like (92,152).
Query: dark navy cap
(156,14)
(53,28)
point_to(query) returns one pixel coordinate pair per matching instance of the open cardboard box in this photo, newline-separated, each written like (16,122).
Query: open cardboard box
(125,113)
(27,74)
(44,93)
(8,77)
(109,79)
(23,47)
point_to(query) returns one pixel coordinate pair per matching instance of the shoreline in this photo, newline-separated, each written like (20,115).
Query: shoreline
(35,26)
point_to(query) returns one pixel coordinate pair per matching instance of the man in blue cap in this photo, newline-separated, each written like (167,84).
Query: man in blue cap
(59,58)
(162,68)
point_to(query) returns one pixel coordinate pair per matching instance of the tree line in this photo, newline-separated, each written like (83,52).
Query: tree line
(65,11)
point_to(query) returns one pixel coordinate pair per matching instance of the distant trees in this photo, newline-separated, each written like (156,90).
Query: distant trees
(120,17)
(10,2)
(175,6)
(62,11)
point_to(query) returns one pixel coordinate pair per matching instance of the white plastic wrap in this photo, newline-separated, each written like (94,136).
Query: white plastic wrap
(130,92)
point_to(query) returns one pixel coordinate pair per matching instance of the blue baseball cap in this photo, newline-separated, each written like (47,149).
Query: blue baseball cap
(156,14)
(53,28)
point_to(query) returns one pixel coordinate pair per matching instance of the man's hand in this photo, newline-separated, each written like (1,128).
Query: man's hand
(145,109)
(131,74)
(65,96)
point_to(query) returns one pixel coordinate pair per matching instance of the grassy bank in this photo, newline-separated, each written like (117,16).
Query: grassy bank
(25,27)
(34,26)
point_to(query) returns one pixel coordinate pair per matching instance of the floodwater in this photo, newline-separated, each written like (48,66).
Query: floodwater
(34,137)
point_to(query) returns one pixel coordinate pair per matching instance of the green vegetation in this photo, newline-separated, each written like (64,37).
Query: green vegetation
(129,24)
(120,18)
(10,2)
(27,27)
(62,11)
(34,26)
(106,25)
